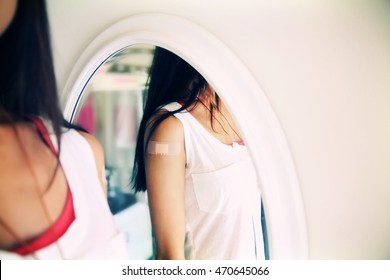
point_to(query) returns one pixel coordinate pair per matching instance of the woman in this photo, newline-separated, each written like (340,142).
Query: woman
(52,190)
(202,190)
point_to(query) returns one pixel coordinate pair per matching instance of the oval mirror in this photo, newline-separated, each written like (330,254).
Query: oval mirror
(244,98)
(110,108)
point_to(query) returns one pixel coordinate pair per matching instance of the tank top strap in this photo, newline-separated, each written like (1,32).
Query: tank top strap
(172,106)
(40,126)
(182,116)
(67,216)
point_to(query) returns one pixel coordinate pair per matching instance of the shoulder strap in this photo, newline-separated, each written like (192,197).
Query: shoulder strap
(171,106)
(44,133)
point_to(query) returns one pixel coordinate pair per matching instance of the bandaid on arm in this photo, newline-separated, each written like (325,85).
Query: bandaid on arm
(163,148)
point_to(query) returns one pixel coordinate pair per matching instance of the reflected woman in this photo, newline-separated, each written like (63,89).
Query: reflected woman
(202,189)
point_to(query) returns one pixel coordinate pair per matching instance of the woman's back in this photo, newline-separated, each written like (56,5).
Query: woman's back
(52,204)
(33,187)
(54,220)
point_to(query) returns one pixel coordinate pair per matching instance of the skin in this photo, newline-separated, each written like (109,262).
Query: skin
(7,12)
(20,206)
(165,180)
(23,180)
(165,177)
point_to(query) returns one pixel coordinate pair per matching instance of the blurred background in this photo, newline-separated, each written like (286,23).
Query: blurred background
(111,109)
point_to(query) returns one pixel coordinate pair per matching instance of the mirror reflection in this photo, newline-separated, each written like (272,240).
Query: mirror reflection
(112,108)
(203,193)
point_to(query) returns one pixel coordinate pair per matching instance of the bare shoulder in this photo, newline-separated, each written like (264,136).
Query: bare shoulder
(170,129)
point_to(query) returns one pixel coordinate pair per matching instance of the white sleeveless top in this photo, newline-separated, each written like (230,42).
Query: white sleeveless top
(222,196)
(93,234)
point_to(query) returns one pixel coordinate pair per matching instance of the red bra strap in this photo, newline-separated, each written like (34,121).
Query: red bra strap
(44,133)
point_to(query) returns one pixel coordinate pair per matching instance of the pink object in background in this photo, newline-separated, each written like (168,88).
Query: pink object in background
(86,117)
(125,125)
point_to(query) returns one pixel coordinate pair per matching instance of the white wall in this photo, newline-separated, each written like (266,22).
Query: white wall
(324,68)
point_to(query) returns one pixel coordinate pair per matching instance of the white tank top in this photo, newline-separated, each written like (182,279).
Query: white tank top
(222,196)
(93,234)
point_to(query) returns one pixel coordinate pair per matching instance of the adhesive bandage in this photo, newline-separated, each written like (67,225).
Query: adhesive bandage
(163,148)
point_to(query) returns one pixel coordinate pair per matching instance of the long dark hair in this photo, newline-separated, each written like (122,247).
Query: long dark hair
(27,77)
(171,79)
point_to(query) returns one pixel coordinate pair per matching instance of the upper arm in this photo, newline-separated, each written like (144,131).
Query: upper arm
(98,153)
(165,175)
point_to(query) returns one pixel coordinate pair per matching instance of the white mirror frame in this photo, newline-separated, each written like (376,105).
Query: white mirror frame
(242,94)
